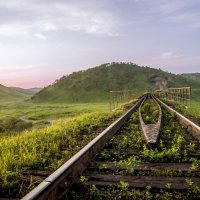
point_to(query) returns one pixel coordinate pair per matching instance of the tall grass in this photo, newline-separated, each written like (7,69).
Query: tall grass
(47,148)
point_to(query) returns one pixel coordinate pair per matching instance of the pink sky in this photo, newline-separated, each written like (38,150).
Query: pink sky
(29,79)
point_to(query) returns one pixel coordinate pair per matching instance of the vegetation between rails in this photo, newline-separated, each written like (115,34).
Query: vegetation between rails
(127,149)
(175,145)
(123,191)
(150,112)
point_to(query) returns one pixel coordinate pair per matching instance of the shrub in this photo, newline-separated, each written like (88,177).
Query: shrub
(14,124)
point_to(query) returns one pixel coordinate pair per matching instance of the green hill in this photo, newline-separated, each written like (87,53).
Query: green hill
(14,94)
(95,83)
(193,76)
(29,92)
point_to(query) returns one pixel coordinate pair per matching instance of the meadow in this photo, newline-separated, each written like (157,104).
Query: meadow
(195,108)
(40,114)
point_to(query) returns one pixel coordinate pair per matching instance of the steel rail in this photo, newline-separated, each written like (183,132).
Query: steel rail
(191,126)
(57,184)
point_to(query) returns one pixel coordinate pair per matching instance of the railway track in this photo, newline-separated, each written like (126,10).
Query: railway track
(132,158)
(151,130)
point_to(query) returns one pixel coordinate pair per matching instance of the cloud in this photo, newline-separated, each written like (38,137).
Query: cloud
(168,8)
(13,30)
(49,27)
(50,16)
(40,36)
(14,4)
(12,68)
(176,53)
(191,19)
(179,11)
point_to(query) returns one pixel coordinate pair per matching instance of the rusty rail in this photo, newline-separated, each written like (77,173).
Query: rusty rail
(57,184)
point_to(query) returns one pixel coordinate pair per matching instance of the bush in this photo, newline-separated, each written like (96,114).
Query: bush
(14,124)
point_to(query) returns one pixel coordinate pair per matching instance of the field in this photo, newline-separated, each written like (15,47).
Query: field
(195,106)
(39,115)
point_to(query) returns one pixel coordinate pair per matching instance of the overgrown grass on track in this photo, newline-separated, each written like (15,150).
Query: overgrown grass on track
(176,146)
(150,112)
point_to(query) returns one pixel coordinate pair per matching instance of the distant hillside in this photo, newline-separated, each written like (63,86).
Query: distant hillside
(13,93)
(193,76)
(30,91)
(95,83)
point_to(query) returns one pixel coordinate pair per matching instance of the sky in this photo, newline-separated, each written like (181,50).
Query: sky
(42,40)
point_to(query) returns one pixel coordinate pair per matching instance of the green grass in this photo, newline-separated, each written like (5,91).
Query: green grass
(192,112)
(194,109)
(150,112)
(175,146)
(45,149)
(13,94)
(195,106)
(42,114)
(48,110)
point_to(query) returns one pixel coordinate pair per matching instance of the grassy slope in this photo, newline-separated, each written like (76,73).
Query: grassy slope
(93,85)
(193,76)
(48,111)
(30,91)
(42,114)
(8,94)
